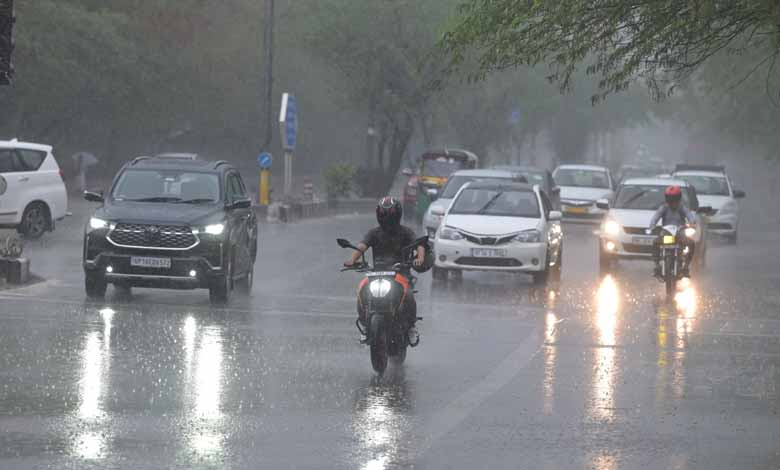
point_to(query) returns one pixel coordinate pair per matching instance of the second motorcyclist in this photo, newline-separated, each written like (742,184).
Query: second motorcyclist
(673,212)
(387,242)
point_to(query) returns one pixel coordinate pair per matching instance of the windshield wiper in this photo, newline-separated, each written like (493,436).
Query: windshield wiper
(489,203)
(199,200)
(157,199)
(633,198)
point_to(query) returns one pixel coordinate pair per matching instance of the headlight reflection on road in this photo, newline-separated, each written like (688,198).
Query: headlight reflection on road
(379,425)
(550,350)
(604,369)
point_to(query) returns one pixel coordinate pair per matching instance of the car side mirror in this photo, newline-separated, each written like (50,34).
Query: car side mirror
(94,196)
(555,216)
(705,210)
(437,211)
(739,194)
(407,172)
(243,203)
(432,193)
(556,190)
(603,204)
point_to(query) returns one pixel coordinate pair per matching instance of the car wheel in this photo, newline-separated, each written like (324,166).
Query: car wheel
(439,274)
(95,285)
(245,283)
(35,221)
(219,290)
(541,277)
(557,269)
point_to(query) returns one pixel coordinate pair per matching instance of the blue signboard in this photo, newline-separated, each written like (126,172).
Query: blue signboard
(265,160)
(289,121)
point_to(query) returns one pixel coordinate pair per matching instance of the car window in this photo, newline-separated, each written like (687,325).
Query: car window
(457,182)
(497,202)
(234,188)
(159,185)
(31,160)
(582,178)
(546,204)
(707,185)
(643,197)
(9,161)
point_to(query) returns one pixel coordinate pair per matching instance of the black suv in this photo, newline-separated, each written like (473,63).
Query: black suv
(172,221)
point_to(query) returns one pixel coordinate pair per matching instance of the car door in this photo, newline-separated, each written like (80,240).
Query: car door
(239,219)
(12,187)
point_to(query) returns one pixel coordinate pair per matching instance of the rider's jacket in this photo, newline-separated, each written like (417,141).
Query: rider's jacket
(668,216)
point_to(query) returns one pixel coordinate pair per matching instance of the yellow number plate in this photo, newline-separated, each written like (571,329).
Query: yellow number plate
(668,240)
(577,210)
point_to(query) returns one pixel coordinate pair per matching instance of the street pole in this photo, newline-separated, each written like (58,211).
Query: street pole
(269,71)
(288,161)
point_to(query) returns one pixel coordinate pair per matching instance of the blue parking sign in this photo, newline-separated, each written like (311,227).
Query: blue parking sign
(265,160)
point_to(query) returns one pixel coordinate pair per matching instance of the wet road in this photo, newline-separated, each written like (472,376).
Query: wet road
(598,374)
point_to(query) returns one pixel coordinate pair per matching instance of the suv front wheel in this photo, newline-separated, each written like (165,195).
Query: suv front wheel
(95,285)
(220,287)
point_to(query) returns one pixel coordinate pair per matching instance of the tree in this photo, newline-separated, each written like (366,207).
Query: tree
(661,42)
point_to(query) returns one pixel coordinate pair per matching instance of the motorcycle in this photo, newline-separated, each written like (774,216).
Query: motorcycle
(673,243)
(381,295)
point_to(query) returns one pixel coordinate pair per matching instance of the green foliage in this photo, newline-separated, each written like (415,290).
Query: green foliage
(339,178)
(662,42)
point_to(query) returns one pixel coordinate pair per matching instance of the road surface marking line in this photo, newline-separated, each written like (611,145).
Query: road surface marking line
(452,415)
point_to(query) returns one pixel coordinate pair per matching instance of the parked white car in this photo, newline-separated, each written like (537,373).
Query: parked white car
(581,186)
(32,192)
(623,230)
(714,189)
(437,208)
(500,226)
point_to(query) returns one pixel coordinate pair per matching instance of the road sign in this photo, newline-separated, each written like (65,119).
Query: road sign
(265,160)
(288,121)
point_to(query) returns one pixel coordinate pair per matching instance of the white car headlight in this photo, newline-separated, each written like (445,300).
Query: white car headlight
(379,287)
(611,227)
(690,232)
(97,224)
(528,236)
(447,233)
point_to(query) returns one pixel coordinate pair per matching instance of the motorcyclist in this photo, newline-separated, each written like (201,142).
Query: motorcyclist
(387,241)
(673,212)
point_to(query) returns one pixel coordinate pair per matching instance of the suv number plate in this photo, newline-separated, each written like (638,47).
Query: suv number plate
(149,262)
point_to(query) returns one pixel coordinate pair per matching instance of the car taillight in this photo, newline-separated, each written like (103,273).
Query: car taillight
(62,174)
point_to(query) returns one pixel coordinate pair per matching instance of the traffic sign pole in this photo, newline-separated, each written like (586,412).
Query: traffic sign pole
(288,161)
(288,125)
(265,187)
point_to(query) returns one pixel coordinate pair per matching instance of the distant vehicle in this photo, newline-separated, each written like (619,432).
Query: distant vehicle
(581,186)
(439,206)
(500,226)
(623,231)
(32,193)
(172,223)
(540,176)
(639,171)
(715,189)
(435,167)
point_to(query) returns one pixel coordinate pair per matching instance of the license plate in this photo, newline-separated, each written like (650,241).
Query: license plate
(642,240)
(487,253)
(668,240)
(149,262)
(577,210)
(380,274)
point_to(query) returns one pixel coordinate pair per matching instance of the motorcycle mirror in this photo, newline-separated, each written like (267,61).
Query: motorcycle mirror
(344,243)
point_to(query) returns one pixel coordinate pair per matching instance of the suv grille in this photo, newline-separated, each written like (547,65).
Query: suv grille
(166,237)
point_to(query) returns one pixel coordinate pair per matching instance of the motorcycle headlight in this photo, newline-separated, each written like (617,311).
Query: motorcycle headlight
(450,234)
(611,227)
(98,224)
(528,236)
(690,232)
(379,287)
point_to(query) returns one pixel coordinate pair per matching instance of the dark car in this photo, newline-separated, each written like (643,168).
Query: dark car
(540,176)
(178,223)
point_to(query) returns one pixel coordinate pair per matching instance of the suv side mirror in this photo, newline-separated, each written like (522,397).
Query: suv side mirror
(739,194)
(437,211)
(603,204)
(243,203)
(407,172)
(94,196)
(556,190)
(555,216)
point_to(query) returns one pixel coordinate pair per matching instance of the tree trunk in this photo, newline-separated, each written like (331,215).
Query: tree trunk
(402,134)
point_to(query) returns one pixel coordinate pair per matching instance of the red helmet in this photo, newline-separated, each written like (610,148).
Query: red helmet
(673,194)
(389,212)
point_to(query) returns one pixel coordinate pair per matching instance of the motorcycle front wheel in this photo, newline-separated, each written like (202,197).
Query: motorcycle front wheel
(670,276)
(378,335)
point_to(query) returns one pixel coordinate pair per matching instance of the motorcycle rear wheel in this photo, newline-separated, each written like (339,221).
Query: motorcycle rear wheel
(378,336)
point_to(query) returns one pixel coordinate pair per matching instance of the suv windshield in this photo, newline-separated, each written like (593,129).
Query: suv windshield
(582,178)
(457,182)
(707,185)
(167,186)
(498,202)
(643,197)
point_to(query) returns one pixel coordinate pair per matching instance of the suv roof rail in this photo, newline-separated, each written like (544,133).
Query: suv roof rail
(139,159)
(693,167)
(177,156)
(220,162)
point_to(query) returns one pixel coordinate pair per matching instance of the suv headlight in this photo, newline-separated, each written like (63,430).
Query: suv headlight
(528,236)
(211,229)
(98,224)
(447,233)
(380,287)
(611,227)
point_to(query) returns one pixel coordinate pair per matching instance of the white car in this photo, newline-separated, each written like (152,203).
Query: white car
(32,192)
(581,186)
(714,189)
(437,208)
(500,226)
(623,230)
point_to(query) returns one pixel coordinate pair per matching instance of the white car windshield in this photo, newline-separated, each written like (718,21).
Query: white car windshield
(582,178)
(167,186)
(497,202)
(707,185)
(643,197)
(456,182)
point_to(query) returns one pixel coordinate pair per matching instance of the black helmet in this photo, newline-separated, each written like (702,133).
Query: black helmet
(389,212)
